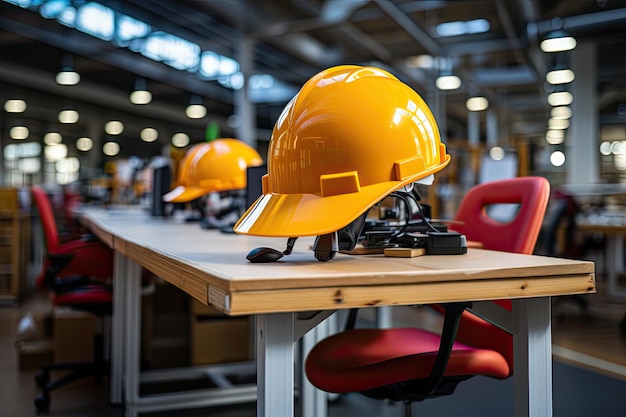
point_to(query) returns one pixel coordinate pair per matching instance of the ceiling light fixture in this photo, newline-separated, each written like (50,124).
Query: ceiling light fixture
(560,98)
(19,132)
(68,116)
(55,152)
(114,127)
(67,75)
(141,95)
(52,138)
(557,158)
(558,123)
(448,82)
(561,112)
(195,109)
(558,40)
(560,76)
(15,106)
(84,144)
(497,153)
(180,140)
(149,134)
(477,103)
(555,137)
(110,149)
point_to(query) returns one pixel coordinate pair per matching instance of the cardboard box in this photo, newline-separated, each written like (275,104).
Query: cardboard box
(73,334)
(199,309)
(35,325)
(220,339)
(33,355)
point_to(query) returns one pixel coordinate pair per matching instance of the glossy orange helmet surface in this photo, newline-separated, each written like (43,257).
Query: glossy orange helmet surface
(350,137)
(219,165)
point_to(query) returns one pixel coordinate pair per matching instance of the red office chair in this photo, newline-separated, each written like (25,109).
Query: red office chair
(84,256)
(93,298)
(412,364)
(78,274)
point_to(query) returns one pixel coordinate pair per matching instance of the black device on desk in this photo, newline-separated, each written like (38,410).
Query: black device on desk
(254,183)
(161,183)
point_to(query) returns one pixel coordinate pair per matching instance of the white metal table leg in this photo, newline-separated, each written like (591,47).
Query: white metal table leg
(275,364)
(614,265)
(383,317)
(132,337)
(533,357)
(314,402)
(117,329)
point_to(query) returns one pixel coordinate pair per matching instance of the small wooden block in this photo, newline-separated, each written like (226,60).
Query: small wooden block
(404,252)
(360,250)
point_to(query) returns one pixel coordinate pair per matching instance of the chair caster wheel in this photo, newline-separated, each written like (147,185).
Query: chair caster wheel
(42,403)
(41,379)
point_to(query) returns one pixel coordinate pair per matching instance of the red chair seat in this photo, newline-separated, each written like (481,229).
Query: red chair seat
(362,359)
(84,296)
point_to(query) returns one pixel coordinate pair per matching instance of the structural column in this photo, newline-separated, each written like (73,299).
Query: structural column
(244,109)
(582,136)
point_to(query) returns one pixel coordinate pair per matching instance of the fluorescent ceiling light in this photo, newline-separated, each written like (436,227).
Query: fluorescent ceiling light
(555,137)
(562,76)
(114,127)
(52,138)
(195,111)
(68,77)
(448,82)
(462,28)
(110,149)
(477,103)
(15,106)
(180,140)
(557,158)
(68,116)
(84,144)
(19,132)
(562,98)
(140,97)
(558,41)
(149,134)
(561,112)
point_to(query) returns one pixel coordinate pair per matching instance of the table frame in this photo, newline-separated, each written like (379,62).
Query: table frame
(281,322)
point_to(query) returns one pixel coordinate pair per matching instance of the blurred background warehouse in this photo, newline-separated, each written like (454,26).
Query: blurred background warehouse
(237,63)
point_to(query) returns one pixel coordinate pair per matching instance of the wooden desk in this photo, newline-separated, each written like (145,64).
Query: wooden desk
(212,268)
(613,254)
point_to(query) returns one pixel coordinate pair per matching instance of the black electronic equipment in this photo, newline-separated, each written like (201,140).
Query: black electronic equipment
(254,183)
(161,184)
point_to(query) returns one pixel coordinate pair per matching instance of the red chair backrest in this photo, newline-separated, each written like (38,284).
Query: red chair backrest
(517,235)
(48,220)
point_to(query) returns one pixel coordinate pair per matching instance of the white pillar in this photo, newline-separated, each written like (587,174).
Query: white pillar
(582,136)
(244,109)
(473,128)
(492,127)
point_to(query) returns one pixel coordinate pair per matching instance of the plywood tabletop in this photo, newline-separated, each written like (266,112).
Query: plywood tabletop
(211,266)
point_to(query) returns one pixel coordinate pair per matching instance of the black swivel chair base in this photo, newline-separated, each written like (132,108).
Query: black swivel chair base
(97,369)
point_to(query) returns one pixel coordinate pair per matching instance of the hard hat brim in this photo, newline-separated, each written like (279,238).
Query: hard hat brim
(295,215)
(183,194)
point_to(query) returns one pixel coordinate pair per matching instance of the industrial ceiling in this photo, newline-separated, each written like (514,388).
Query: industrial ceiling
(291,40)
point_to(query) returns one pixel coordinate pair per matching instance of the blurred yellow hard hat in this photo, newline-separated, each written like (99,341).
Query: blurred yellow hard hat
(207,167)
(350,137)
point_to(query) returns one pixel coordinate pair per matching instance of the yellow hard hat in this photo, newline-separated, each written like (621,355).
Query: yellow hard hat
(350,137)
(219,165)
